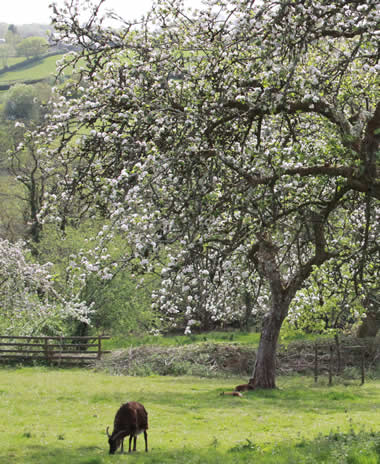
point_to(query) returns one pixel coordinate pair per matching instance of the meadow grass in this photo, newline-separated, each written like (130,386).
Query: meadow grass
(59,416)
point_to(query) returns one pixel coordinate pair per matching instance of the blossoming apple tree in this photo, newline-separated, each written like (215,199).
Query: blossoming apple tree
(242,138)
(29,304)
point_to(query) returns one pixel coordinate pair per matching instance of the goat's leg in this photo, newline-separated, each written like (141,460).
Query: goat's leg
(122,446)
(146,440)
(130,442)
(134,442)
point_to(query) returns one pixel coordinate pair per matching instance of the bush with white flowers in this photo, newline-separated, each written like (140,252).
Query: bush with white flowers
(29,304)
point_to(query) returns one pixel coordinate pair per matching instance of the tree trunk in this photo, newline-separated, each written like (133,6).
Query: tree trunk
(264,372)
(282,292)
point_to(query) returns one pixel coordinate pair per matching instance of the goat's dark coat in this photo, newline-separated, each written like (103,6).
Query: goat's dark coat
(131,419)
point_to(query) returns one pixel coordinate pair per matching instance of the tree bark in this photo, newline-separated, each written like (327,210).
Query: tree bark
(264,372)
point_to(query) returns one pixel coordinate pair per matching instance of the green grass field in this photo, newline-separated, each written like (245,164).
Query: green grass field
(14,60)
(43,69)
(59,416)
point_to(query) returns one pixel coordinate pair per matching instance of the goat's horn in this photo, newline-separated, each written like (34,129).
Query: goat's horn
(107,432)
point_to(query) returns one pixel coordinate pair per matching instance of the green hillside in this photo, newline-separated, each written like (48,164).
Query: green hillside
(14,60)
(41,69)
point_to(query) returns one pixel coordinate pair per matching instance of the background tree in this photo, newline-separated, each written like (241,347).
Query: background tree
(257,166)
(32,47)
(12,226)
(121,303)
(21,103)
(23,177)
(29,303)
(4,54)
(320,308)
(12,38)
(24,165)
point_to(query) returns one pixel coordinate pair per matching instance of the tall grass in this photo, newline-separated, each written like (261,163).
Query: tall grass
(60,416)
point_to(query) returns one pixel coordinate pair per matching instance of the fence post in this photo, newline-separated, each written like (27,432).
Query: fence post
(362,364)
(339,359)
(60,350)
(331,364)
(99,346)
(316,363)
(46,349)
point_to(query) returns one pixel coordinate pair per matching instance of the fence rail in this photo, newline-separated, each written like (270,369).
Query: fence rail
(53,350)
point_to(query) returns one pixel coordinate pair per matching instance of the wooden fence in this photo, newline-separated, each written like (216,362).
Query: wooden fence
(332,357)
(53,350)
(336,359)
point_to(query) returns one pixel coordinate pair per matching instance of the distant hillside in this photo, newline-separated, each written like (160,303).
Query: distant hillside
(30,70)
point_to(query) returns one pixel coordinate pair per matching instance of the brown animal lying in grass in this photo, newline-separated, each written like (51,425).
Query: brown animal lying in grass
(235,393)
(244,387)
(239,389)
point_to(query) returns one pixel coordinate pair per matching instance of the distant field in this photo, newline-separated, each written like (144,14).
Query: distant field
(14,60)
(40,70)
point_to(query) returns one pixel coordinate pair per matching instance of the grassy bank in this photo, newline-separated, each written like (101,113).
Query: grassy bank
(59,416)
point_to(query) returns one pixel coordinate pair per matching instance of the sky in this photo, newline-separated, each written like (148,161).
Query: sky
(37,11)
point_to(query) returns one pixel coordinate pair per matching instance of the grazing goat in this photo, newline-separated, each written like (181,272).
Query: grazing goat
(131,419)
